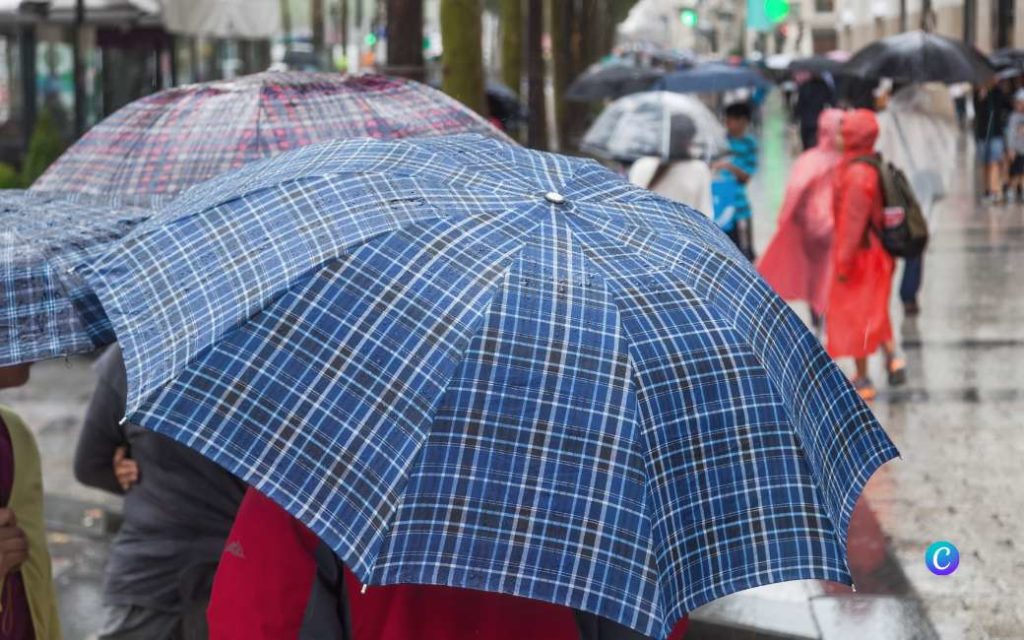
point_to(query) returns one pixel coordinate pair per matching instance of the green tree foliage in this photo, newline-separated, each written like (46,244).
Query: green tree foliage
(462,62)
(512,43)
(44,147)
(9,177)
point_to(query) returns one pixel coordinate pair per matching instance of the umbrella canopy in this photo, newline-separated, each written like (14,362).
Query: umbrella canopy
(635,126)
(815,64)
(164,143)
(918,56)
(45,310)
(466,363)
(611,80)
(1004,58)
(711,77)
(1009,73)
(778,61)
(503,100)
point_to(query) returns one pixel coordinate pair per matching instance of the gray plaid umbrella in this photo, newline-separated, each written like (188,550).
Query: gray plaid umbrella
(461,362)
(163,144)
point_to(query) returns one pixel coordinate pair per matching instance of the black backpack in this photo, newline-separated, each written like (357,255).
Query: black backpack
(905,230)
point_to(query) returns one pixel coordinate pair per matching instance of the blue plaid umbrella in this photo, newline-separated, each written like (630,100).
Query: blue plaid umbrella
(470,364)
(45,310)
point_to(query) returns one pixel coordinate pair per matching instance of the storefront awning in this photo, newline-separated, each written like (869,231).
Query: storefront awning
(96,11)
(254,19)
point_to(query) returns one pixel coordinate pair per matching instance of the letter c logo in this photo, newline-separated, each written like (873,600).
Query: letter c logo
(942,558)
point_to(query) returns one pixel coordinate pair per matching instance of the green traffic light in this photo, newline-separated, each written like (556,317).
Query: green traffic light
(371,39)
(776,10)
(689,17)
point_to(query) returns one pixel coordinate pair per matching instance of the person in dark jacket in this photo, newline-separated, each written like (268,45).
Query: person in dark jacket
(178,510)
(813,96)
(992,109)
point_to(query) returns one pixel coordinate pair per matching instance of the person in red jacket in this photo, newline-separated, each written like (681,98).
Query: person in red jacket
(278,581)
(797,262)
(857,320)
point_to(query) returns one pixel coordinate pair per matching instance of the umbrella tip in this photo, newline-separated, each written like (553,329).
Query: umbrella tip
(123,420)
(554,197)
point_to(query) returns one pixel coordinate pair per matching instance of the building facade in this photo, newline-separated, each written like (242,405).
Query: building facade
(852,24)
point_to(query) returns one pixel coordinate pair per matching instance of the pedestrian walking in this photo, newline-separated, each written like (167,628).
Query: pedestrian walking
(738,168)
(680,177)
(178,510)
(1015,145)
(857,318)
(918,134)
(814,95)
(271,557)
(797,262)
(991,114)
(28,606)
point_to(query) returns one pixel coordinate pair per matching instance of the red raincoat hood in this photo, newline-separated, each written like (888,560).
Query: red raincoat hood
(860,131)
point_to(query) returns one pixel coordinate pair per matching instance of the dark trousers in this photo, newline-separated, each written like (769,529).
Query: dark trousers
(742,235)
(594,627)
(809,136)
(913,272)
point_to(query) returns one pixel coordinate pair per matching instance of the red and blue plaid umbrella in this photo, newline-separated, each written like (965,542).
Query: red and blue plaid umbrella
(171,140)
(45,310)
(465,363)
(161,145)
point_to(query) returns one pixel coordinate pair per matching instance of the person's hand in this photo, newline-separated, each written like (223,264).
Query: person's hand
(125,469)
(720,165)
(13,543)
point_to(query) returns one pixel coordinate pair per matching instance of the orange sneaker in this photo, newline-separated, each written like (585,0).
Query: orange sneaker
(897,372)
(865,388)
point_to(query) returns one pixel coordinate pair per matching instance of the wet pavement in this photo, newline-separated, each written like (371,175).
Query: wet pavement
(959,424)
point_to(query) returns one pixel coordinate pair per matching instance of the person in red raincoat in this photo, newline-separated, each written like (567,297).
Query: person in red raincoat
(278,581)
(797,263)
(857,319)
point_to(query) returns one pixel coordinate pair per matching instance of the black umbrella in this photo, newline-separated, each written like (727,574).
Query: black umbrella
(504,104)
(712,77)
(1004,58)
(815,65)
(611,80)
(918,56)
(1010,73)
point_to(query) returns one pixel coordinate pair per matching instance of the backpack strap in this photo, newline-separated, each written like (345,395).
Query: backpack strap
(875,160)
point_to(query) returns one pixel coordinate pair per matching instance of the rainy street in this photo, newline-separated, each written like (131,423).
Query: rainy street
(957,425)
